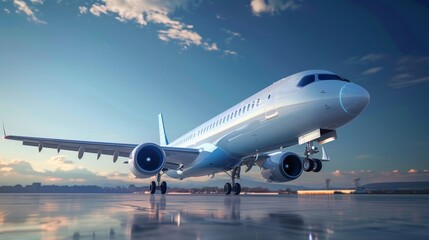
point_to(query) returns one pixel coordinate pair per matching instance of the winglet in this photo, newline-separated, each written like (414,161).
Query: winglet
(163,141)
(4,132)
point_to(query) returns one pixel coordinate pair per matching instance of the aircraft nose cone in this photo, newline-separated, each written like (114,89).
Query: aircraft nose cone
(354,98)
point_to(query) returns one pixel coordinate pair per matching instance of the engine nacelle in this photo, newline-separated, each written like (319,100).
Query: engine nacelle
(146,160)
(283,167)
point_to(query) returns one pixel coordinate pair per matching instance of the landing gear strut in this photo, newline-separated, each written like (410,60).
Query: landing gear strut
(161,185)
(233,187)
(310,164)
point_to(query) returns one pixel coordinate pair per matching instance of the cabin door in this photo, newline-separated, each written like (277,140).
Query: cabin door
(270,106)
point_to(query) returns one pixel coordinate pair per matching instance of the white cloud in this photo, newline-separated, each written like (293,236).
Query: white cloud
(373,57)
(367,59)
(22,172)
(272,6)
(23,7)
(6,10)
(83,10)
(408,82)
(37,1)
(336,173)
(187,37)
(405,71)
(61,162)
(156,12)
(6,169)
(373,70)
(97,10)
(410,71)
(232,35)
(211,47)
(230,52)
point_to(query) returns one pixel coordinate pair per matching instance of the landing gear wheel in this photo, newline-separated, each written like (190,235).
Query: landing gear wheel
(163,187)
(152,187)
(317,165)
(308,165)
(227,188)
(237,189)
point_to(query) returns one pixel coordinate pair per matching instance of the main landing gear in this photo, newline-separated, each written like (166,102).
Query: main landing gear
(309,163)
(233,187)
(154,186)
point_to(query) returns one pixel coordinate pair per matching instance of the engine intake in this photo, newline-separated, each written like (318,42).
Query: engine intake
(146,160)
(283,167)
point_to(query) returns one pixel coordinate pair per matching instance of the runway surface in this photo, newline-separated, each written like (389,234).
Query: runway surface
(105,216)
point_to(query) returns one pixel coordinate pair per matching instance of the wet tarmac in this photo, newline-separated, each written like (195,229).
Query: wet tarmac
(105,216)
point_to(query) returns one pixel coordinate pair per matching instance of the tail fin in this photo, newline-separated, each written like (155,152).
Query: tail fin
(163,141)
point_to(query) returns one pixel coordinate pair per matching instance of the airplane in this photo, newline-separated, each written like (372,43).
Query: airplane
(303,108)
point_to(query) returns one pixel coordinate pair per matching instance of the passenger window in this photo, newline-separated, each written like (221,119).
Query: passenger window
(306,80)
(257,102)
(253,104)
(269,96)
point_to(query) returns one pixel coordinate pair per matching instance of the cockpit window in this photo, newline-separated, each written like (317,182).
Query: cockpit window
(306,80)
(331,77)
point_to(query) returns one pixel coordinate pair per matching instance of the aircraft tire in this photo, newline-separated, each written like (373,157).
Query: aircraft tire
(152,187)
(163,187)
(237,189)
(317,165)
(227,188)
(308,165)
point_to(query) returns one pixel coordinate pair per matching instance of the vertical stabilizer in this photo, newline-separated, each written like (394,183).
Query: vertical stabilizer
(163,141)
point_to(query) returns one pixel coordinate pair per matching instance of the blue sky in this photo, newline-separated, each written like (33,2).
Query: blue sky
(103,70)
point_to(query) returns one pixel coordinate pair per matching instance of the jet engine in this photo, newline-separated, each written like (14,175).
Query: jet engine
(146,160)
(282,167)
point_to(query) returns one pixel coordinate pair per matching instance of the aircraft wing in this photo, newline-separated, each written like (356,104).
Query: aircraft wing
(175,156)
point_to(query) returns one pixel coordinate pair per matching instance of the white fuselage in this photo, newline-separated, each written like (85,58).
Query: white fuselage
(271,119)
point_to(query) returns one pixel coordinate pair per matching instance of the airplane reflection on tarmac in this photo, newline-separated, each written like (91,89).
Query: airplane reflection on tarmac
(123,216)
(221,222)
